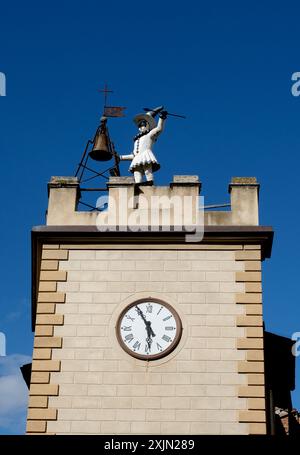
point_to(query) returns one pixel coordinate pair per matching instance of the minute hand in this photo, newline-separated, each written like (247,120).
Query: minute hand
(141,314)
(147,323)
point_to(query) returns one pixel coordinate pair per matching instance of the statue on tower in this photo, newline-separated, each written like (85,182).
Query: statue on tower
(144,162)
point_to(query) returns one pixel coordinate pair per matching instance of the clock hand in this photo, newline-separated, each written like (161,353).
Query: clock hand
(149,329)
(147,323)
(141,314)
(149,342)
(150,334)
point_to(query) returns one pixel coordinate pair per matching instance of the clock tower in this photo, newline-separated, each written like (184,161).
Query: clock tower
(141,329)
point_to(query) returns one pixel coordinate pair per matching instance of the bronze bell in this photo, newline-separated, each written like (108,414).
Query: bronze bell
(101,150)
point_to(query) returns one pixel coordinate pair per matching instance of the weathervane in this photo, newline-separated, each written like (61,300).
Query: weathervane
(111,111)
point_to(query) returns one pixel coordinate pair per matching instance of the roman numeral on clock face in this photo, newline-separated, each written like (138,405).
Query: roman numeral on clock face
(136,346)
(129,337)
(166,338)
(167,317)
(127,328)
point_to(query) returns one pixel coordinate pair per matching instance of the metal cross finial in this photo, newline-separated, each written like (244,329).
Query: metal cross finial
(105,91)
(111,111)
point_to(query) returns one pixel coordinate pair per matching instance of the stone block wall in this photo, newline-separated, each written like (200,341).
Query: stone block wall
(212,383)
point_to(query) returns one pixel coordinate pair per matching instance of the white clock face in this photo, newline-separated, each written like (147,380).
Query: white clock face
(149,329)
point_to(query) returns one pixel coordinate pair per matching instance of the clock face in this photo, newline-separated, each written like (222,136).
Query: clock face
(149,329)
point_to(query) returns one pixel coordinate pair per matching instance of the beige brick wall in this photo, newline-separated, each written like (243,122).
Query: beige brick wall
(213,383)
(40,413)
(195,389)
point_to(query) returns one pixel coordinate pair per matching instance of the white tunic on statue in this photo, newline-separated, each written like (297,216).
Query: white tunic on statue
(142,151)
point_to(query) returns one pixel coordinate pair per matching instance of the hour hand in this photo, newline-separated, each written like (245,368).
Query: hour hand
(150,332)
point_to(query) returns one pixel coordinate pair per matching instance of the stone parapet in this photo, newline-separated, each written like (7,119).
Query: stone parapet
(136,201)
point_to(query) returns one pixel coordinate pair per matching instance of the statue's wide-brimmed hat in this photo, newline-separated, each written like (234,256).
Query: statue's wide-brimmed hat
(147,117)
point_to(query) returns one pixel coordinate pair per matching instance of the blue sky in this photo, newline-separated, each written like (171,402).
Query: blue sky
(226,65)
